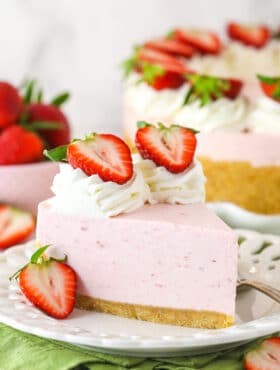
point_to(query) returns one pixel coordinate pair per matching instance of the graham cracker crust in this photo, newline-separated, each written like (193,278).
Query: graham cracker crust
(253,188)
(171,316)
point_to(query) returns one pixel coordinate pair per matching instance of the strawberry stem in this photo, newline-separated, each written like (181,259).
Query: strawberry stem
(29,89)
(60,99)
(142,124)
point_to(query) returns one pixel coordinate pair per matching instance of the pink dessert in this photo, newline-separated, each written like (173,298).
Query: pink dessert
(136,231)
(176,260)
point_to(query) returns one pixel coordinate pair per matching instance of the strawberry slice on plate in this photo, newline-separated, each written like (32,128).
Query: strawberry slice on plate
(205,41)
(270,86)
(171,147)
(50,284)
(15,226)
(171,46)
(168,62)
(264,357)
(104,155)
(256,36)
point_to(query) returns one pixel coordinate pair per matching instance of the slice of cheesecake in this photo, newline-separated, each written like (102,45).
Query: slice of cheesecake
(171,264)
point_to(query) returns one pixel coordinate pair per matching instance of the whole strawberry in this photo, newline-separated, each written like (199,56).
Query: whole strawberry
(39,112)
(18,146)
(47,119)
(10,104)
(50,284)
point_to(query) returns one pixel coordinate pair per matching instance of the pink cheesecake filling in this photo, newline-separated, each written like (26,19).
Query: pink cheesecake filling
(257,149)
(180,256)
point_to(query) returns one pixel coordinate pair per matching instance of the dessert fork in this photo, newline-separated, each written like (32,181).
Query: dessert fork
(266,289)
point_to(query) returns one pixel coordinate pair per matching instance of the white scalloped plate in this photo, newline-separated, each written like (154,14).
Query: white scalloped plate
(257,315)
(238,217)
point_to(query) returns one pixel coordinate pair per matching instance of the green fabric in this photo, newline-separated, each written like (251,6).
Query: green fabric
(21,351)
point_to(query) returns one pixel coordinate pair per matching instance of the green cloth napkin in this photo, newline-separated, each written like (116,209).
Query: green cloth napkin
(21,351)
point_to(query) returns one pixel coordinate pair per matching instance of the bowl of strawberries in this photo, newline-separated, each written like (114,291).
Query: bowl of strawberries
(27,127)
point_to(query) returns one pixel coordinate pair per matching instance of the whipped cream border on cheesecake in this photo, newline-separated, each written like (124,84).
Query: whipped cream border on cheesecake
(89,196)
(265,117)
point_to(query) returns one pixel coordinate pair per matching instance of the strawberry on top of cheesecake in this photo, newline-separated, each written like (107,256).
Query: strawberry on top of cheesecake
(102,178)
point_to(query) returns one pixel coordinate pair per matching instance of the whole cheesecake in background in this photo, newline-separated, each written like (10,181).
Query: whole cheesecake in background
(136,231)
(27,127)
(226,93)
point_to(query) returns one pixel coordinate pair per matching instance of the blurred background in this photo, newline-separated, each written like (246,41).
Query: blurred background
(78,45)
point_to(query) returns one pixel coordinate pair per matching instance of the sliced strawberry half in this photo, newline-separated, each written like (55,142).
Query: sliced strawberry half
(171,46)
(169,80)
(265,357)
(104,155)
(270,86)
(49,284)
(205,41)
(172,147)
(256,36)
(168,62)
(15,226)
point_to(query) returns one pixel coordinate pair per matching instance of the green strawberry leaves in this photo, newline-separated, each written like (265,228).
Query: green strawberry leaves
(38,258)
(170,34)
(267,80)
(205,88)
(129,65)
(60,99)
(149,72)
(32,93)
(57,154)
(142,124)
(160,125)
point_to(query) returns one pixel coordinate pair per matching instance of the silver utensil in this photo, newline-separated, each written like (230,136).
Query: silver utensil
(266,289)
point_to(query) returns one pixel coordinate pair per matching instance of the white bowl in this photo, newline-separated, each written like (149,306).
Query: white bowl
(26,185)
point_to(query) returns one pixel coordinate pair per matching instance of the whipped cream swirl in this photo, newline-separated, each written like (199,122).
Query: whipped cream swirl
(79,194)
(166,187)
(265,117)
(167,106)
(223,115)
